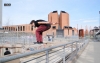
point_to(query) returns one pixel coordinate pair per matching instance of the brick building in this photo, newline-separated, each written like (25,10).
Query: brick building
(63,26)
(86,31)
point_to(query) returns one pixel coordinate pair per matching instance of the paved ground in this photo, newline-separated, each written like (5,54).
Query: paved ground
(91,54)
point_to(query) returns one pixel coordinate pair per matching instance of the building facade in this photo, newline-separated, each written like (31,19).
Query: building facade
(63,19)
(63,25)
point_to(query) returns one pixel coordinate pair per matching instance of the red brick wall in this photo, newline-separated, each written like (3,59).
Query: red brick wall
(64,19)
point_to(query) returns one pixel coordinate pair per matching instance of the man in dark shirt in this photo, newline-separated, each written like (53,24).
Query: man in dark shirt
(7,52)
(42,26)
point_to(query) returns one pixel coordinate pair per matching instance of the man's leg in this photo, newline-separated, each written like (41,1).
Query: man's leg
(39,32)
(41,39)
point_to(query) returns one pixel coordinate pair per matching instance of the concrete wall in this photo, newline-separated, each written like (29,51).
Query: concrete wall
(65,32)
(70,32)
(75,31)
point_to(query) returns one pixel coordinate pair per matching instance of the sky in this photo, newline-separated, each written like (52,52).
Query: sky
(81,12)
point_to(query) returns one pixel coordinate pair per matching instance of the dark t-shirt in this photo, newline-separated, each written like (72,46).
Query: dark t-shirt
(7,52)
(37,25)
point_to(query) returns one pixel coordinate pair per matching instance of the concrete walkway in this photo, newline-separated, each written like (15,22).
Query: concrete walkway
(91,54)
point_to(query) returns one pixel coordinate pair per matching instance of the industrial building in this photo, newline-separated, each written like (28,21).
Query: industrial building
(63,29)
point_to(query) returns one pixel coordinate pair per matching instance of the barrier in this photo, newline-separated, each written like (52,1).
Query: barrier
(55,54)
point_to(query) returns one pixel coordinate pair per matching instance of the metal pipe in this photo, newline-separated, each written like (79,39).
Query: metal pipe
(72,47)
(5,59)
(64,55)
(47,56)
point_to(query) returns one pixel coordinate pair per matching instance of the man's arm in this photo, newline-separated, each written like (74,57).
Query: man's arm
(43,22)
(47,23)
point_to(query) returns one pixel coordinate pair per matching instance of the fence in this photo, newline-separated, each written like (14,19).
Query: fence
(16,37)
(97,36)
(26,38)
(56,54)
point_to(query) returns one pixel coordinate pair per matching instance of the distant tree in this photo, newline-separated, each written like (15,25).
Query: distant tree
(8,22)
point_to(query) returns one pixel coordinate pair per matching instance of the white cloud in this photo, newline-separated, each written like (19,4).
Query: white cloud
(89,21)
(77,20)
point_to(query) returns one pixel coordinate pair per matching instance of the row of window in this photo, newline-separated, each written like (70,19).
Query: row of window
(20,28)
(65,27)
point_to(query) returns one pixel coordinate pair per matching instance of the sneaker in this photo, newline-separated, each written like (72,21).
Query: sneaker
(40,42)
(35,42)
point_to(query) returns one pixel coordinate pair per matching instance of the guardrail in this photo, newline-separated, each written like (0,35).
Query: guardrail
(16,37)
(97,36)
(55,54)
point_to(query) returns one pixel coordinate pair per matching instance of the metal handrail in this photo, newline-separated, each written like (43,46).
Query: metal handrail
(9,58)
(5,59)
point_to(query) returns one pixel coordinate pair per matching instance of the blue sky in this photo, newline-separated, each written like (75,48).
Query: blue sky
(81,12)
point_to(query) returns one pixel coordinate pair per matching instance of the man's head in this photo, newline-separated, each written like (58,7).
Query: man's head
(32,22)
(6,48)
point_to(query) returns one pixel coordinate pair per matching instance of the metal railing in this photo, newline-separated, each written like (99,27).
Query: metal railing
(16,37)
(26,38)
(55,54)
(97,36)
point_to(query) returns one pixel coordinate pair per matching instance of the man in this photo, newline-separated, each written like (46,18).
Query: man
(42,26)
(7,52)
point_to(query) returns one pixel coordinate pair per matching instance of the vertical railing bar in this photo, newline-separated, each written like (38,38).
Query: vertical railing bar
(72,47)
(64,54)
(47,56)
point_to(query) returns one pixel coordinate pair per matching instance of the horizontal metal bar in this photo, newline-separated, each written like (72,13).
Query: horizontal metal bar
(9,58)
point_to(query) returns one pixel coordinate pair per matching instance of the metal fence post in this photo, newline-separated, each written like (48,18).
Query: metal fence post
(17,34)
(3,38)
(64,55)
(76,46)
(72,47)
(47,56)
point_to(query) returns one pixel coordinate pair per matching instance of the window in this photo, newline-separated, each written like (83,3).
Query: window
(65,27)
(68,31)
(31,28)
(53,27)
(23,28)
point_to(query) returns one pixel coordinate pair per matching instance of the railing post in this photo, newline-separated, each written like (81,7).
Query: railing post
(47,56)
(76,46)
(72,47)
(64,54)
(3,37)
(17,34)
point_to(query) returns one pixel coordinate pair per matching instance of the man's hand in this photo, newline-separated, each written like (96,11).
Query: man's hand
(54,23)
